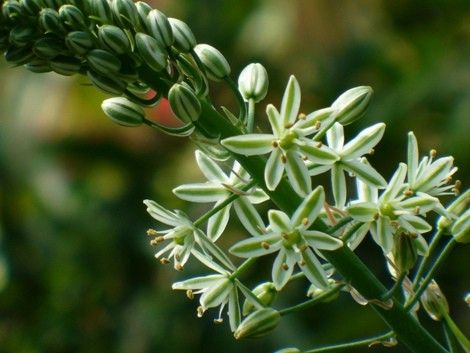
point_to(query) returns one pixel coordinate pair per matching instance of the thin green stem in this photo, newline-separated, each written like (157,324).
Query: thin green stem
(424,284)
(424,262)
(341,223)
(449,338)
(350,232)
(313,301)
(396,286)
(205,217)
(354,344)
(301,274)
(241,101)
(243,267)
(250,123)
(464,342)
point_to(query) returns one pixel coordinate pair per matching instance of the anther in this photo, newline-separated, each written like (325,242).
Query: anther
(284,159)
(164,261)
(372,151)
(417,210)
(275,144)
(190,294)
(305,158)
(285,236)
(318,125)
(218,321)
(200,311)
(408,193)
(458,184)
(319,144)
(288,126)
(302,263)
(284,266)
(302,116)
(303,247)
(152,232)
(265,245)
(179,267)
(433,153)
(305,221)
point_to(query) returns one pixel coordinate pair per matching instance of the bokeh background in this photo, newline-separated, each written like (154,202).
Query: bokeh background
(76,271)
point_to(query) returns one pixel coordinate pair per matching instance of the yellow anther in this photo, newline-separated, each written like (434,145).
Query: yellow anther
(265,245)
(305,221)
(218,321)
(302,116)
(284,159)
(433,153)
(284,266)
(275,144)
(200,311)
(190,294)
(152,232)
(317,125)
(164,261)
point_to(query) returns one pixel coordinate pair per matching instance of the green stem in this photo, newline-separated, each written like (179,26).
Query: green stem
(341,223)
(243,267)
(424,284)
(464,342)
(313,301)
(241,101)
(396,286)
(250,124)
(354,344)
(205,217)
(449,337)
(434,242)
(350,232)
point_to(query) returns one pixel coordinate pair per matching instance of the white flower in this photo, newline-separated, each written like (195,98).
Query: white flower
(293,242)
(218,188)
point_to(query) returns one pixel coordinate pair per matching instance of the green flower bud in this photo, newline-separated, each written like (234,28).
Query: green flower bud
(101,10)
(48,47)
(38,66)
(434,301)
(143,10)
(50,21)
(123,112)
(103,61)
(128,71)
(265,292)
(288,350)
(19,55)
(184,103)
(404,252)
(184,37)
(13,11)
(114,39)
(65,65)
(461,228)
(21,35)
(456,208)
(150,51)
(189,68)
(79,42)
(215,64)
(253,82)
(107,84)
(258,323)
(352,104)
(72,17)
(159,27)
(125,12)
(31,7)
(52,4)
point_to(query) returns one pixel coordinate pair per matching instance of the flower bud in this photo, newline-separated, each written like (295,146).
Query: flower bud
(125,12)
(461,228)
(189,68)
(467,299)
(184,103)
(288,350)
(150,51)
(21,35)
(184,37)
(48,47)
(456,208)
(114,39)
(434,301)
(143,10)
(159,27)
(13,11)
(123,112)
(103,61)
(79,42)
(65,65)
(215,64)
(352,104)
(19,55)
(404,252)
(72,17)
(265,292)
(253,82)
(258,323)
(38,66)
(108,84)
(31,7)
(100,9)
(50,21)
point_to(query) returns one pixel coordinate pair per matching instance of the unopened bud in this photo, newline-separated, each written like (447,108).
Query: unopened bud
(456,208)
(184,37)
(72,17)
(151,52)
(253,82)
(434,301)
(266,294)
(19,55)
(184,103)
(48,47)
(125,12)
(79,42)
(215,64)
(352,104)
(159,27)
(107,83)
(13,11)
(103,61)
(32,7)
(143,10)
(50,21)
(461,228)
(21,35)
(101,10)
(65,65)
(114,39)
(258,323)
(123,112)
(404,252)
(38,66)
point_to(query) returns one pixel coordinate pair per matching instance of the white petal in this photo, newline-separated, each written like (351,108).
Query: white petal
(412,157)
(278,221)
(256,246)
(250,145)
(218,222)
(209,168)
(275,120)
(248,216)
(365,172)
(290,102)
(338,184)
(322,241)
(382,234)
(309,209)
(201,192)
(297,173)
(279,274)
(161,214)
(274,169)
(363,142)
(313,269)
(363,211)
(196,283)
(335,136)
(318,155)
(395,185)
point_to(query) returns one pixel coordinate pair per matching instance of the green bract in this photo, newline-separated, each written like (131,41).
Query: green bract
(103,61)
(72,17)
(79,42)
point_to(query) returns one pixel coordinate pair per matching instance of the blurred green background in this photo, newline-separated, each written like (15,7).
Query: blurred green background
(76,271)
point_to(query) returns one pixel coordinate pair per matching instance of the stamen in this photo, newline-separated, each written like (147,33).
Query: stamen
(305,221)
(408,193)
(319,144)
(164,261)
(265,245)
(433,153)
(190,294)
(200,311)
(302,116)
(284,159)
(372,151)
(317,125)
(284,266)
(152,232)
(179,267)
(275,144)
(218,321)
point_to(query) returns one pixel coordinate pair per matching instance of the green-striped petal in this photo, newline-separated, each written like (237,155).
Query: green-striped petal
(297,173)
(290,102)
(319,155)
(320,240)
(249,145)
(309,209)
(200,192)
(364,142)
(257,246)
(363,211)
(274,169)
(218,222)
(395,185)
(313,269)
(365,172)
(248,216)
(338,185)
(209,168)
